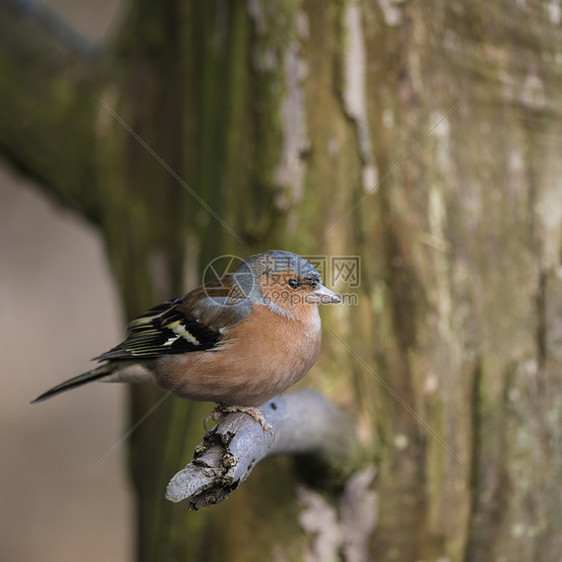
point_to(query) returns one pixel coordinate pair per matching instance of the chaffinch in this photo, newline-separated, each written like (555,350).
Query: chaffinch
(239,340)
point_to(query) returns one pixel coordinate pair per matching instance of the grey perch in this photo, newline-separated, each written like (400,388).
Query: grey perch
(303,423)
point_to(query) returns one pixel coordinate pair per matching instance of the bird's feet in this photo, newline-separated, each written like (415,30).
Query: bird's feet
(255,413)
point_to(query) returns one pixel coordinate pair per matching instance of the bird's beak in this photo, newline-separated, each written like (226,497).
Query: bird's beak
(323,295)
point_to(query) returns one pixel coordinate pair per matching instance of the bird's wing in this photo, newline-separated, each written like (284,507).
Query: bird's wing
(195,322)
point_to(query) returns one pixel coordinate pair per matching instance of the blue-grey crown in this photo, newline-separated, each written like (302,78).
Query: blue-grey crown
(273,261)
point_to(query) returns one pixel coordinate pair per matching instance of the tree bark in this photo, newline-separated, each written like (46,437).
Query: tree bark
(282,116)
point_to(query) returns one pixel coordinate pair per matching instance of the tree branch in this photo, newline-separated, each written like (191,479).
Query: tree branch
(304,423)
(48,110)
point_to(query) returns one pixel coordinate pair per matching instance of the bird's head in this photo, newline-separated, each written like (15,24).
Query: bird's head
(283,281)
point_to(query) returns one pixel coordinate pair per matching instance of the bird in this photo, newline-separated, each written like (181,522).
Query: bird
(238,341)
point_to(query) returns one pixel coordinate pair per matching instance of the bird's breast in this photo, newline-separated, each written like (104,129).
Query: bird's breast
(259,358)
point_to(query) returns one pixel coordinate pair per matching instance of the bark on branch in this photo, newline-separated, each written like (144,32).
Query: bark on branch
(303,423)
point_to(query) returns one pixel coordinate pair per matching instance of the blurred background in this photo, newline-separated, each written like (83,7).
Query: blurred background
(141,140)
(58,308)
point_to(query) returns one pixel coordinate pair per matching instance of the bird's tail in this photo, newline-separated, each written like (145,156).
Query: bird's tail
(79,380)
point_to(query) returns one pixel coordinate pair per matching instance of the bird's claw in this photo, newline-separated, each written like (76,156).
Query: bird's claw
(255,413)
(214,415)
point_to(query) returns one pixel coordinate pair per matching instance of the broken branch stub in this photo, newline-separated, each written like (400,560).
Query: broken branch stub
(303,423)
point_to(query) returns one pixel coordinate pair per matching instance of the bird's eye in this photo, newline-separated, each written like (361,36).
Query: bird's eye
(293,283)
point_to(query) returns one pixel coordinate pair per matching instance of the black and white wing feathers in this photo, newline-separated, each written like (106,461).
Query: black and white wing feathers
(164,329)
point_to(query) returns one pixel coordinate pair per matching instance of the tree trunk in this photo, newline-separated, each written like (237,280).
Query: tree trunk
(282,117)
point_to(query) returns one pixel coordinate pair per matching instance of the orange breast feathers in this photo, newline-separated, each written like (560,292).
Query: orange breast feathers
(262,356)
